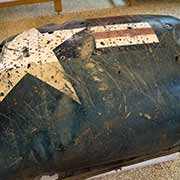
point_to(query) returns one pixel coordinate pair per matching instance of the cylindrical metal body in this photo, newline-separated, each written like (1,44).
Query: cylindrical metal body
(124,75)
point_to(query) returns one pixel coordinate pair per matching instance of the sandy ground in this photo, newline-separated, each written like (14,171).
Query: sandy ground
(18,19)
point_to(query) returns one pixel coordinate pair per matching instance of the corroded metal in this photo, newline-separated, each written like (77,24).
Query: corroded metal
(92,96)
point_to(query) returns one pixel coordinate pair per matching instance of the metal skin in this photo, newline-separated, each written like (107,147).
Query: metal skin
(130,115)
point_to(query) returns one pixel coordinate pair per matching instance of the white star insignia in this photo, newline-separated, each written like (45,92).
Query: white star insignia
(32,52)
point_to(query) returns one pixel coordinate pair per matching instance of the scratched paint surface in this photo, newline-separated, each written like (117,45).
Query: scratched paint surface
(73,107)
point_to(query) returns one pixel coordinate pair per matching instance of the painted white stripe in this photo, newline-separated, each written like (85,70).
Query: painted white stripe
(54,177)
(126,41)
(141,165)
(117,27)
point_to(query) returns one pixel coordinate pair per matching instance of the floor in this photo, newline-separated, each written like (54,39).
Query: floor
(41,9)
(17,19)
(164,171)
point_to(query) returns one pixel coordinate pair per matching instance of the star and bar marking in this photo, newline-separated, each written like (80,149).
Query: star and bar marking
(32,52)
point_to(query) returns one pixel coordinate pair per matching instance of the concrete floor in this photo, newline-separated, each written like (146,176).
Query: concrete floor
(17,19)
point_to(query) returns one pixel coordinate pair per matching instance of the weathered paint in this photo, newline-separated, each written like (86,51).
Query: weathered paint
(128,108)
(124,35)
(32,52)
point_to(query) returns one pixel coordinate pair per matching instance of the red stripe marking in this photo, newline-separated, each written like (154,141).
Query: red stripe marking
(126,32)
